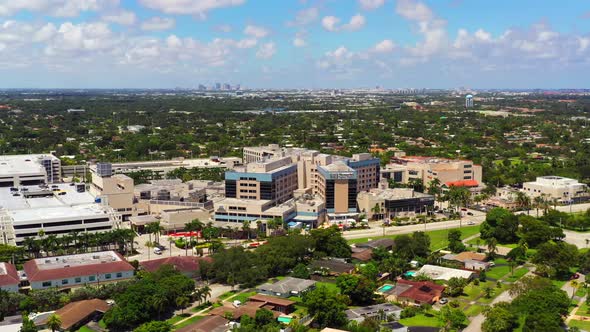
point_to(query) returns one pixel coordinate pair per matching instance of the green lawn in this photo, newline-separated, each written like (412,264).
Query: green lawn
(102,324)
(188,322)
(421,320)
(438,238)
(226,295)
(581,292)
(559,283)
(518,273)
(582,325)
(331,286)
(243,297)
(473,310)
(583,310)
(85,329)
(498,272)
(175,319)
(472,292)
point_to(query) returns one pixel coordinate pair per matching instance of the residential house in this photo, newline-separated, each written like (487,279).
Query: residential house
(381,311)
(287,287)
(9,279)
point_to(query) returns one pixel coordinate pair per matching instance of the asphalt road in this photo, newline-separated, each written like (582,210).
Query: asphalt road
(376,229)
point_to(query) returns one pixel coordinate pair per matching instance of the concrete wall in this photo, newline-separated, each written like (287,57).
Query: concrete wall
(72,282)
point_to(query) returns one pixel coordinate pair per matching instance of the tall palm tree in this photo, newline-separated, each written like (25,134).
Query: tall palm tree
(575,285)
(159,302)
(206,291)
(538,203)
(492,244)
(523,201)
(194,225)
(246,227)
(54,322)
(182,302)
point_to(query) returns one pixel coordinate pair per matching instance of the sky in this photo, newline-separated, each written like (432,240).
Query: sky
(295,43)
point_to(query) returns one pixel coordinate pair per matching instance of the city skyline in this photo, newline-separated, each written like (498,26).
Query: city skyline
(294,44)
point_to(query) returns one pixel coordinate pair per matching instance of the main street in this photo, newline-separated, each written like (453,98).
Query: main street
(377,230)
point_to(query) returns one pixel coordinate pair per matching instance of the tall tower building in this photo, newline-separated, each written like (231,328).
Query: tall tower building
(469,101)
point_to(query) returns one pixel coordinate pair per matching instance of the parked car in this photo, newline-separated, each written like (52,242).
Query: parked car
(443,300)
(469,213)
(471,223)
(575,276)
(157,251)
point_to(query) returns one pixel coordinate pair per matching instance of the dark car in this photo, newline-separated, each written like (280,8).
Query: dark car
(575,276)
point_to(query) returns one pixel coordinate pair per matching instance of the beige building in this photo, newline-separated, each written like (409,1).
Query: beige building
(390,203)
(337,186)
(556,188)
(239,210)
(404,169)
(116,190)
(271,180)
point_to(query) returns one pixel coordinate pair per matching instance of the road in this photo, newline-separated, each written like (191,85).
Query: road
(376,229)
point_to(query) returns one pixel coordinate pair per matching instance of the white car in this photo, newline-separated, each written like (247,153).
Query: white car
(157,251)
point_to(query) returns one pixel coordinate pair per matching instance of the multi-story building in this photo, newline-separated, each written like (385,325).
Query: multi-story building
(273,180)
(9,279)
(34,169)
(337,186)
(77,270)
(240,210)
(367,169)
(390,203)
(261,153)
(449,172)
(556,188)
(59,209)
(115,190)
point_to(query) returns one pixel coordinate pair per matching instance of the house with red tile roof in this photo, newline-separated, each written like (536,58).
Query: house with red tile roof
(75,314)
(77,270)
(187,265)
(9,279)
(414,292)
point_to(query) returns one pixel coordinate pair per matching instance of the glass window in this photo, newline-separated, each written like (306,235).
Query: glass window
(91,278)
(64,282)
(46,283)
(107,276)
(119,275)
(78,280)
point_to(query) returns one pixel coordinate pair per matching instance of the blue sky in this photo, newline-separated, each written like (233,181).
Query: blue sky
(294,43)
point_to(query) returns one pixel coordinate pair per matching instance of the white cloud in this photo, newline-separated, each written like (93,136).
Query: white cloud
(385,46)
(122,17)
(256,31)
(306,16)
(331,23)
(189,7)
(299,42)
(158,23)
(45,33)
(371,4)
(266,51)
(414,10)
(59,8)
(246,43)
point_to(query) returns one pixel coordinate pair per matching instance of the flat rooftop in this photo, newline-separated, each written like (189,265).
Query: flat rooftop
(59,262)
(395,193)
(29,164)
(72,204)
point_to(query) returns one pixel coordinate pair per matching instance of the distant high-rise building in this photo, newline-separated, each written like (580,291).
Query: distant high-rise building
(217,86)
(469,101)
(226,86)
(238,87)
(202,87)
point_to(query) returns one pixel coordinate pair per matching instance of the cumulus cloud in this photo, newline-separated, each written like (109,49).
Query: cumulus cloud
(306,17)
(298,41)
(432,28)
(189,7)
(384,46)
(158,23)
(59,8)
(122,17)
(226,28)
(266,51)
(256,31)
(371,4)
(332,23)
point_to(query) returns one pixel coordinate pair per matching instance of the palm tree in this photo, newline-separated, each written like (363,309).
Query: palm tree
(488,291)
(194,225)
(523,201)
(41,235)
(376,211)
(246,227)
(538,203)
(575,285)
(159,302)
(149,245)
(492,244)
(54,322)
(182,302)
(206,292)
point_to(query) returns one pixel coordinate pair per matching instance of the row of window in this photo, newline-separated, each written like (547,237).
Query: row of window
(78,280)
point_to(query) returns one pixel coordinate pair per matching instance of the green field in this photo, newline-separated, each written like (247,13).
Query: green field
(582,325)
(498,272)
(473,310)
(175,319)
(583,310)
(518,273)
(188,322)
(421,320)
(438,238)
(85,329)
(331,286)
(243,297)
